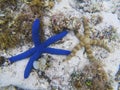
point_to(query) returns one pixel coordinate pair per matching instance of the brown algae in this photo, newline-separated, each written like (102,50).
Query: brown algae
(92,77)
(16,17)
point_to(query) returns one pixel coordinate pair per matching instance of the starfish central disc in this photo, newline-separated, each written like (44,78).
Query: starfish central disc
(86,41)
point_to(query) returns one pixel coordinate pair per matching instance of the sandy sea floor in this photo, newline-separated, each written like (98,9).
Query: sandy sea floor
(59,72)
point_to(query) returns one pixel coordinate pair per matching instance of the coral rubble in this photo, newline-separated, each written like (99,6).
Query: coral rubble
(92,77)
(59,21)
(16,17)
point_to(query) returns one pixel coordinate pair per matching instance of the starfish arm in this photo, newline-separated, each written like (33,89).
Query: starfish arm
(86,27)
(101,44)
(74,51)
(57,51)
(89,53)
(36,32)
(22,55)
(78,35)
(30,63)
(55,38)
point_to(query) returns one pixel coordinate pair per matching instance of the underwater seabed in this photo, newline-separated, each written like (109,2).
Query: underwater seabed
(93,38)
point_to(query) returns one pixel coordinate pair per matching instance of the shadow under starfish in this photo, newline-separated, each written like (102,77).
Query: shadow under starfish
(40,47)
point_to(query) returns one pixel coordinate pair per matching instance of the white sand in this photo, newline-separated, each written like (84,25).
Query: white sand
(59,74)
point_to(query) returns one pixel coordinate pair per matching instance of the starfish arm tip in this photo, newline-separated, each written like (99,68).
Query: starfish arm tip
(22,55)
(11,60)
(57,51)
(36,25)
(28,69)
(65,31)
(67,52)
(35,32)
(25,76)
(29,66)
(55,38)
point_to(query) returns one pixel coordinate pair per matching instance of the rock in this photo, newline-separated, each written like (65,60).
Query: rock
(2,60)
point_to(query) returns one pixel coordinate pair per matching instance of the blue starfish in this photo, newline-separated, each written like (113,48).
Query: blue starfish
(40,47)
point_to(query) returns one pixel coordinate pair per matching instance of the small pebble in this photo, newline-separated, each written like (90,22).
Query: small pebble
(36,65)
(2,60)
